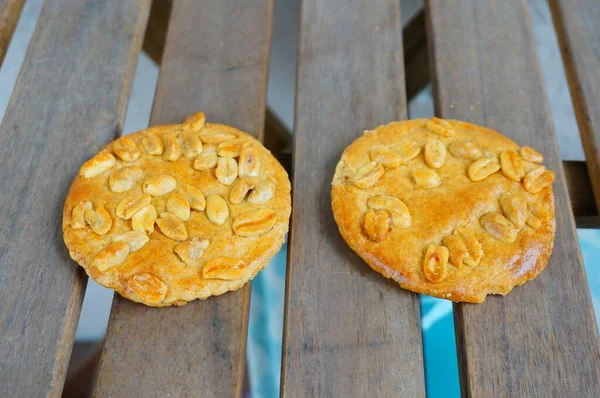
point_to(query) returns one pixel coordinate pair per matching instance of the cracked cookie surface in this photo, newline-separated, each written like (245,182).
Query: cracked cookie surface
(179,212)
(446,208)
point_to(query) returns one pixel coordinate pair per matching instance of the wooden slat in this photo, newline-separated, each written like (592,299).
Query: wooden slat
(68,102)
(348,331)
(577,25)
(541,339)
(9,16)
(215,60)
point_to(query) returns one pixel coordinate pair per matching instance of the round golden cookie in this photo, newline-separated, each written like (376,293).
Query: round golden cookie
(445,208)
(178,212)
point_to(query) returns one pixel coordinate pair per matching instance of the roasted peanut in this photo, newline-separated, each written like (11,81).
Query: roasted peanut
(464,150)
(152,144)
(531,155)
(179,205)
(473,245)
(210,135)
(482,168)
(195,122)
(217,210)
(249,162)
(125,178)
(135,239)
(225,268)
(232,148)
(191,250)
(112,255)
(397,209)
(534,222)
(226,171)
(254,223)
(499,227)
(407,150)
(240,189)
(97,165)
(160,203)
(435,154)
(262,193)
(514,207)
(426,178)
(78,213)
(457,250)
(126,149)
(172,148)
(143,220)
(99,220)
(195,197)
(377,225)
(171,226)
(539,211)
(148,287)
(206,160)
(258,192)
(538,215)
(368,175)
(538,179)
(386,157)
(159,185)
(435,263)
(192,145)
(440,127)
(512,165)
(130,205)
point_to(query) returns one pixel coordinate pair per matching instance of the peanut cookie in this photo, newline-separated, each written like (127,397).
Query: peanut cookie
(445,208)
(178,212)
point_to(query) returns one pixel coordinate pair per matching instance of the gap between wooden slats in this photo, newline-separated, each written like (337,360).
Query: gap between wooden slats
(68,102)
(215,60)
(541,339)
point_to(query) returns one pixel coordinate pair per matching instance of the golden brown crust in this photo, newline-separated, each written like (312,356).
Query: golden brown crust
(167,268)
(500,234)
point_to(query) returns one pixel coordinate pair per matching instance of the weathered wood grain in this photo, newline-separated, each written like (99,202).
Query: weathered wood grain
(215,60)
(68,102)
(541,339)
(348,331)
(577,24)
(9,16)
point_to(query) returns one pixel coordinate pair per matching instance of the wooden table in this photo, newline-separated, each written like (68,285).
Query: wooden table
(348,331)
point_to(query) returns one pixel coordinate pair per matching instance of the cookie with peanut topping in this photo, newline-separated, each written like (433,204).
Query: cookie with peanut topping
(176,213)
(445,208)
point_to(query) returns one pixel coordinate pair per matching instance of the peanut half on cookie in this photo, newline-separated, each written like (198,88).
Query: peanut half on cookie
(446,208)
(178,212)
